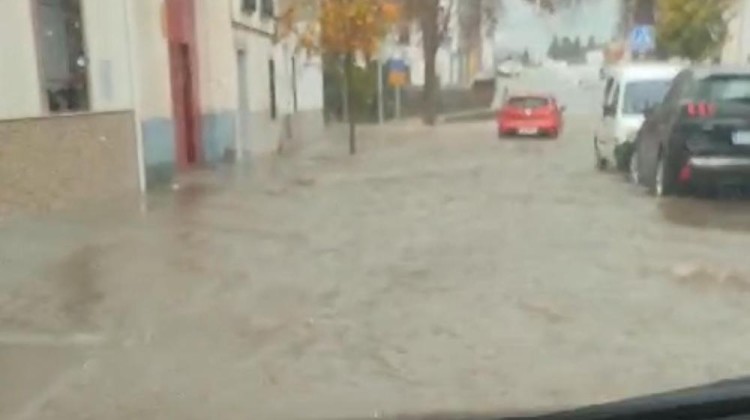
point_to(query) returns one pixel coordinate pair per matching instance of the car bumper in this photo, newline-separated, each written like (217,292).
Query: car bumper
(717,170)
(516,127)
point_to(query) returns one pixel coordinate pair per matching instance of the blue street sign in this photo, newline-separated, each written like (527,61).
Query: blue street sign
(642,39)
(397,65)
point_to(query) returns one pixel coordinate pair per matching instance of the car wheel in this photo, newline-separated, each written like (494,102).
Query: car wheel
(601,162)
(635,170)
(622,158)
(663,185)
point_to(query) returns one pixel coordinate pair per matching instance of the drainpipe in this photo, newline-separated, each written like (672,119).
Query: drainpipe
(135,94)
(742,56)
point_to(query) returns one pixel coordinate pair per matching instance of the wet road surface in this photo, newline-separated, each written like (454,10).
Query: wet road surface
(439,270)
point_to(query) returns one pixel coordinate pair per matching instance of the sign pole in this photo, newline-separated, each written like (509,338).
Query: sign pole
(381,107)
(398,101)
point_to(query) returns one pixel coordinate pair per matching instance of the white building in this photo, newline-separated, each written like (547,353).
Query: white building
(280,89)
(737,47)
(102,96)
(457,60)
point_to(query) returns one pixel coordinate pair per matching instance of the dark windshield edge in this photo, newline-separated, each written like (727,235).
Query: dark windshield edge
(719,400)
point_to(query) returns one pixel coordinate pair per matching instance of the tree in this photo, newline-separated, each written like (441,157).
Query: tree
(577,48)
(344,31)
(566,49)
(433,21)
(554,49)
(591,45)
(693,29)
(526,57)
(430,44)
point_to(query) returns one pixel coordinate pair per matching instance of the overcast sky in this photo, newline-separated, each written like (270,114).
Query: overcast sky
(522,27)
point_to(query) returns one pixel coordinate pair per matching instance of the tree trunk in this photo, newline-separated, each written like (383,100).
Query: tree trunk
(348,69)
(430,43)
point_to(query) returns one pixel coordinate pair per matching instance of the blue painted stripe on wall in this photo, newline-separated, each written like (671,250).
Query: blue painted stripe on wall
(159,151)
(218,135)
(158,141)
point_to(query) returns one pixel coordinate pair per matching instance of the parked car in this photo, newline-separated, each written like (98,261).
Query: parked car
(510,68)
(629,91)
(699,136)
(531,115)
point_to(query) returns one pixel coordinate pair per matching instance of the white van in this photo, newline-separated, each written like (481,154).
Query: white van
(630,89)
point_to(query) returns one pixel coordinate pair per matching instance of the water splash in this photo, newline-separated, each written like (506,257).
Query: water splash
(523,27)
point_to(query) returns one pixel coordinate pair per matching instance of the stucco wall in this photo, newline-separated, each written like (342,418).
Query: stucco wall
(217,78)
(106,37)
(19,77)
(264,134)
(153,90)
(55,162)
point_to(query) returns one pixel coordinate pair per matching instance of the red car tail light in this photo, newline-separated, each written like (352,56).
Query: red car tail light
(700,109)
(685,173)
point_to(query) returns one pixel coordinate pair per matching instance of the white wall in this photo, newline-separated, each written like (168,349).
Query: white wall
(106,38)
(19,76)
(309,83)
(737,47)
(149,35)
(217,56)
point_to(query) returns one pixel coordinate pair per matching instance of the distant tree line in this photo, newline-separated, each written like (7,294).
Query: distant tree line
(570,50)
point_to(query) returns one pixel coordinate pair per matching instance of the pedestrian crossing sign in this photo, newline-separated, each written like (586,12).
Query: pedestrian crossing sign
(642,39)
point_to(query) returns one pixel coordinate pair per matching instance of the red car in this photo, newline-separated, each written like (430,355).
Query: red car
(530,115)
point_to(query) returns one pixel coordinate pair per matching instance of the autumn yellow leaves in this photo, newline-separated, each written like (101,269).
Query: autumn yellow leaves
(692,29)
(341,26)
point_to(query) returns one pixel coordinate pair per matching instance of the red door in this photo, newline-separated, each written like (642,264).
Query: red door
(184,82)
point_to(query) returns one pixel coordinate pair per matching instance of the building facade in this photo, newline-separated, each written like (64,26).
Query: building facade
(737,46)
(105,96)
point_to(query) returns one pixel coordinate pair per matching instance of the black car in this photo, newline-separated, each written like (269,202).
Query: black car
(699,136)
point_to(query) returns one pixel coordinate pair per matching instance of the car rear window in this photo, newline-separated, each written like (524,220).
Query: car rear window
(528,102)
(725,88)
(643,94)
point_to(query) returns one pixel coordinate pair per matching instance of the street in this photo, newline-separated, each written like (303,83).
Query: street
(440,270)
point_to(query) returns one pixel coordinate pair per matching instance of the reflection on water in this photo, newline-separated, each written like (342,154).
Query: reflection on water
(78,277)
(729,211)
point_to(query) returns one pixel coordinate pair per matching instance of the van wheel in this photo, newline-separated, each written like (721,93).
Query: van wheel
(601,162)
(635,171)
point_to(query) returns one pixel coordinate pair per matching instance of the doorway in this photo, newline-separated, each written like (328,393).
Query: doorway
(243,123)
(184,104)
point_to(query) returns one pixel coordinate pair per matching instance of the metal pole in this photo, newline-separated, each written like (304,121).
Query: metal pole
(381,107)
(135,97)
(398,101)
(344,93)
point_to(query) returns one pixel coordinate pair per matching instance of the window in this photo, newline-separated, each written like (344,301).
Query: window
(266,8)
(249,6)
(733,87)
(272,87)
(528,102)
(612,103)
(62,55)
(642,95)
(608,88)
